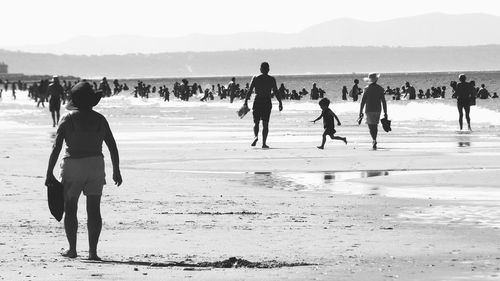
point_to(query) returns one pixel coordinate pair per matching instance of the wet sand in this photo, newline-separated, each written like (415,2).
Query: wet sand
(423,207)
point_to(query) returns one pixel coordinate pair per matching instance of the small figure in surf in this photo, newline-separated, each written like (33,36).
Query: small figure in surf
(410,90)
(232,89)
(355,90)
(329,118)
(345,92)
(262,105)
(55,93)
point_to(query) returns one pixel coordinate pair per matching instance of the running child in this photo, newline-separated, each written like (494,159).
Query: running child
(329,118)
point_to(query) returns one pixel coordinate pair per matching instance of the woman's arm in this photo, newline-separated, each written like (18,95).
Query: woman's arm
(115,158)
(54,155)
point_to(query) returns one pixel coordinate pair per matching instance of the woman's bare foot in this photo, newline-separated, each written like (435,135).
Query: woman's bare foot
(265,146)
(69,254)
(320,147)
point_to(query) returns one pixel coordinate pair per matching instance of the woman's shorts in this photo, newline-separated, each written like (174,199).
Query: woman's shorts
(83,174)
(372,118)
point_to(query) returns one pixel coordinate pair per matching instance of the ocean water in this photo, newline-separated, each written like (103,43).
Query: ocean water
(333,83)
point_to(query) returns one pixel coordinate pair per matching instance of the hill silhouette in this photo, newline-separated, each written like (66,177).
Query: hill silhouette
(246,62)
(435,29)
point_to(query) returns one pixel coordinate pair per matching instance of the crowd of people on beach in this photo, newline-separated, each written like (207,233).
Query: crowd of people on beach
(84,130)
(55,92)
(408,92)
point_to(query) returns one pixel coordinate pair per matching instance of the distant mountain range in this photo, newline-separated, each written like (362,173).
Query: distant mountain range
(312,60)
(419,31)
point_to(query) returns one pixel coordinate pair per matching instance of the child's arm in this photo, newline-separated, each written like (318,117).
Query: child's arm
(319,117)
(336,118)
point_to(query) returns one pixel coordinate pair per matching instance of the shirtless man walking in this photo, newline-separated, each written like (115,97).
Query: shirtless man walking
(56,93)
(262,105)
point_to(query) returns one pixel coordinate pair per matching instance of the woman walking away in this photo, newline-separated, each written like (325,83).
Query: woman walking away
(463,92)
(82,169)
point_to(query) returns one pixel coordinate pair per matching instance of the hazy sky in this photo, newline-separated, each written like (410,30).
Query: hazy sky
(52,21)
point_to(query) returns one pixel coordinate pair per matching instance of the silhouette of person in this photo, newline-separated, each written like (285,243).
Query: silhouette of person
(55,93)
(232,89)
(344,93)
(463,92)
(483,92)
(373,98)
(329,118)
(262,105)
(314,92)
(84,131)
(355,90)
(410,90)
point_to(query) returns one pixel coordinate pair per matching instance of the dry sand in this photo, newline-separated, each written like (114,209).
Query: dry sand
(194,191)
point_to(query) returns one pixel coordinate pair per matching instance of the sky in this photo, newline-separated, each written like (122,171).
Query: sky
(54,21)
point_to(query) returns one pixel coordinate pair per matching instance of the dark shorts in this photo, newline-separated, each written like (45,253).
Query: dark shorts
(262,112)
(463,105)
(329,132)
(54,105)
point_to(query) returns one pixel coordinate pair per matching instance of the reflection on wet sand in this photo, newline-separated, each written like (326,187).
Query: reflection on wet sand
(474,206)
(342,182)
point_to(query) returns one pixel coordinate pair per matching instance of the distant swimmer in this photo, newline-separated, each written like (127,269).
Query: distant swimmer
(410,90)
(345,92)
(495,95)
(355,90)
(55,93)
(13,90)
(232,89)
(262,105)
(314,92)
(463,92)
(483,93)
(329,118)
(105,88)
(374,99)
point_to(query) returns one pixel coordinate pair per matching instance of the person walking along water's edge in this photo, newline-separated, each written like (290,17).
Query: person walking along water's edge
(374,99)
(262,105)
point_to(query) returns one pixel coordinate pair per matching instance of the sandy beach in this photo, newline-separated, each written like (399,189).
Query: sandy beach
(425,206)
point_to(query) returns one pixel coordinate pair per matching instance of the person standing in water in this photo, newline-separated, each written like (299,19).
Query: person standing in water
(344,93)
(262,105)
(84,131)
(55,93)
(355,90)
(232,89)
(464,92)
(374,99)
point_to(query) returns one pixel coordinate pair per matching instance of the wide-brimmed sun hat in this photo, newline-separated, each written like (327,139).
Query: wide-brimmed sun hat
(372,77)
(83,96)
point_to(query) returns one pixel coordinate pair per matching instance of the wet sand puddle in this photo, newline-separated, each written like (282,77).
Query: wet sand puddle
(474,206)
